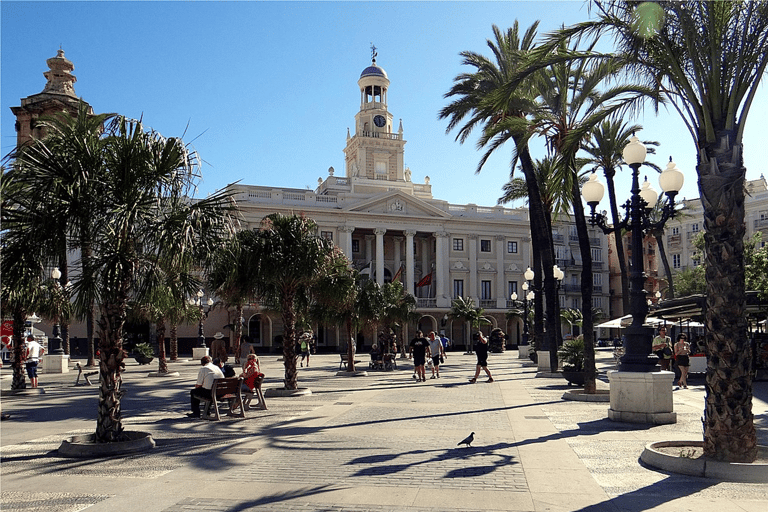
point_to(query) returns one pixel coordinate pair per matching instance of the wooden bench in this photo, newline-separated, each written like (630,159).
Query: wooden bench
(344,360)
(224,390)
(257,391)
(85,376)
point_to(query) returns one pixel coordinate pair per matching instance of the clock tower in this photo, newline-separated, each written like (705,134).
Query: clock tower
(375,152)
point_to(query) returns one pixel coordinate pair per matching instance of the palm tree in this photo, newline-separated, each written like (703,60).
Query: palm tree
(711,80)
(399,309)
(152,221)
(63,174)
(463,308)
(232,277)
(290,258)
(502,118)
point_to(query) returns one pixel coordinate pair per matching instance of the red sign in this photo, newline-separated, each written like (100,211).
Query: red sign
(6,333)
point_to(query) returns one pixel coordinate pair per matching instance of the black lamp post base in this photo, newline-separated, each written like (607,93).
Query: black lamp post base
(637,350)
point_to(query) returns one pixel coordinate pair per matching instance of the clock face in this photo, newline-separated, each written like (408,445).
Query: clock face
(379,121)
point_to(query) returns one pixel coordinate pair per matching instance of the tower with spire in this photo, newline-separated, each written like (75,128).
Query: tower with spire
(374,153)
(58,95)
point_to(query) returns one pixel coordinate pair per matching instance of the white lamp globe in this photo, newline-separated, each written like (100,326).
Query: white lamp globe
(528,274)
(634,152)
(648,194)
(671,179)
(593,190)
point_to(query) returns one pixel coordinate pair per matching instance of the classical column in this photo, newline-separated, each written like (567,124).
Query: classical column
(441,263)
(472,291)
(379,232)
(398,240)
(425,267)
(345,240)
(369,249)
(409,234)
(501,291)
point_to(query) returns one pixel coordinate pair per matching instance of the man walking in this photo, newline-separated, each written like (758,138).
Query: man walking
(419,347)
(34,351)
(438,352)
(481,349)
(202,389)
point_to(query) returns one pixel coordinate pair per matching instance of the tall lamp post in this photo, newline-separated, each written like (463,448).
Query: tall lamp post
(203,315)
(637,352)
(54,345)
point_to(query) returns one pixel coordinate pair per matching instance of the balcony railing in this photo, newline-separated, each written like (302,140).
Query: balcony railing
(381,135)
(488,303)
(426,303)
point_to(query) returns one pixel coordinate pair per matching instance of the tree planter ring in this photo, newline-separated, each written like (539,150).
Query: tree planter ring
(84,446)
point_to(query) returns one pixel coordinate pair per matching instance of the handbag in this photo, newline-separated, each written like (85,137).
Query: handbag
(667,352)
(442,360)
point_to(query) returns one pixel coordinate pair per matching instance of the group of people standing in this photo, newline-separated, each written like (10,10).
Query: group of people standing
(680,352)
(433,346)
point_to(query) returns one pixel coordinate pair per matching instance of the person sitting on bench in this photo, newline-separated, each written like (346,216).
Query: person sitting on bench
(202,389)
(252,377)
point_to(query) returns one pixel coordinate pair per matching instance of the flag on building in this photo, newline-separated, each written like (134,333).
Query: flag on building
(397,274)
(425,281)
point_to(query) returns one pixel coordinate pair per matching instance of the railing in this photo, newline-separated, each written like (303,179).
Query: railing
(381,135)
(488,303)
(761,223)
(426,303)
(597,265)
(572,288)
(291,196)
(558,238)
(674,239)
(263,194)
(326,199)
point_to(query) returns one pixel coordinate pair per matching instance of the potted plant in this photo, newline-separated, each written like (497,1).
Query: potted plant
(143,353)
(572,356)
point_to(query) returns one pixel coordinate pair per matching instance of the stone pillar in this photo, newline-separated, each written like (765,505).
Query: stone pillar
(369,249)
(425,266)
(501,288)
(345,240)
(409,277)
(441,267)
(472,290)
(642,397)
(398,241)
(379,232)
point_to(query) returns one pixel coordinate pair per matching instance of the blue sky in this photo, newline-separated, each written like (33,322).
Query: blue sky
(267,90)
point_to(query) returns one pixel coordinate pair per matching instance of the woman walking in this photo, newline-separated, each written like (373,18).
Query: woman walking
(682,353)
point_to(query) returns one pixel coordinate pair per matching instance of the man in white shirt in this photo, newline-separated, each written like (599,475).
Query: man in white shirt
(202,389)
(34,351)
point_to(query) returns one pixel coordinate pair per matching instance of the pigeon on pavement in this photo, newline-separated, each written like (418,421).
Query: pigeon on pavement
(468,440)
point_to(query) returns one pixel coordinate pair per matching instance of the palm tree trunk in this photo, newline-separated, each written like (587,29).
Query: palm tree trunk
(350,352)
(19,320)
(729,430)
(90,314)
(109,426)
(541,240)
(64,322)
(619,241)
(237,332)
(289,343)
(659,236)
(174,348)
(160,328)
(587,324)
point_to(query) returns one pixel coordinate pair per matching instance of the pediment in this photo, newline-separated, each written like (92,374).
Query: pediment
(398,204)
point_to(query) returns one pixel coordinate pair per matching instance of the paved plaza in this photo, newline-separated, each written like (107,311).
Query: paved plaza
(378,443)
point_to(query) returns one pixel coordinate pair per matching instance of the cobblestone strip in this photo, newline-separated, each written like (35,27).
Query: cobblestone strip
(48,501)
(224,505)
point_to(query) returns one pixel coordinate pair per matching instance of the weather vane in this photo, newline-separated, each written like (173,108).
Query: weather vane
(373,52)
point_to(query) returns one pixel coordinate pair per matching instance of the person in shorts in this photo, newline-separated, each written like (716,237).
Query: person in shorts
(682,358)
(481,349)
(419,347)
(34,351)
(437,351)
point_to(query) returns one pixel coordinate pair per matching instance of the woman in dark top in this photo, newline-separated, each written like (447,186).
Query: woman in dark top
(682,353)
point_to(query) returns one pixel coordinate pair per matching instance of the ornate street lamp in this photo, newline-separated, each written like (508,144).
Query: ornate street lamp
(54,344)
(637,355)
(203,315)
